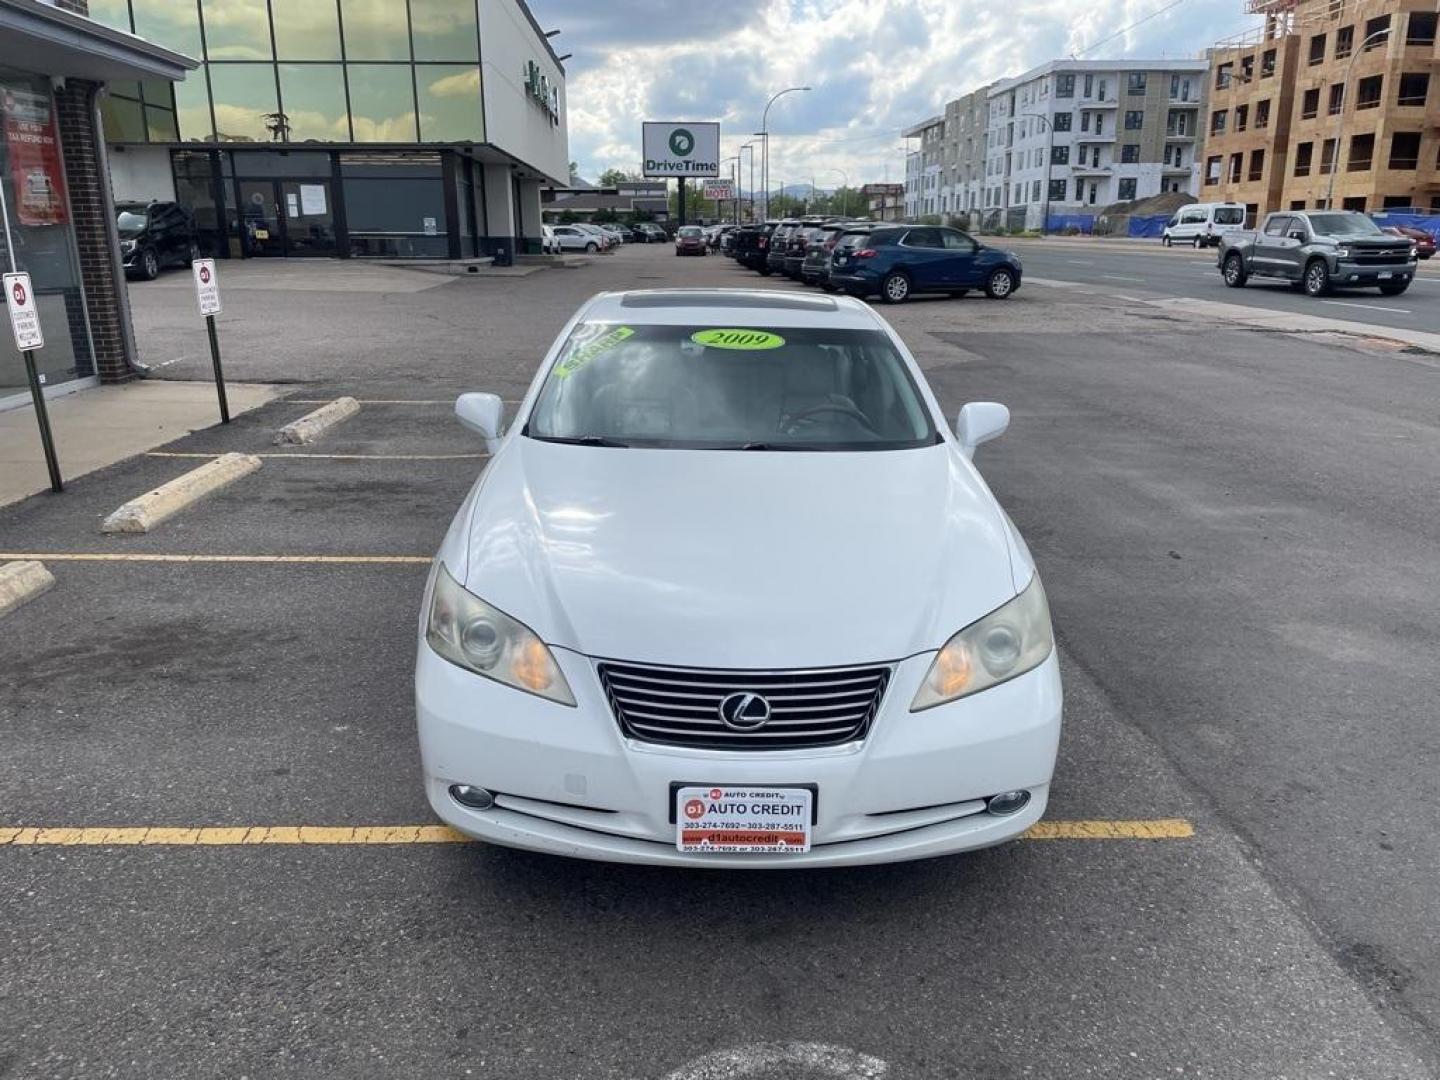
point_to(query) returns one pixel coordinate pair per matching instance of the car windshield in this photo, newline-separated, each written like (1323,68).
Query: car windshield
(689,230)
(131,220)
(719,387)
(1343,225)
(1229,215)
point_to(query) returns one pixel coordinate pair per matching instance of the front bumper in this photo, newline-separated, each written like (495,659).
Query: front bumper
(570,783)
(1346,272)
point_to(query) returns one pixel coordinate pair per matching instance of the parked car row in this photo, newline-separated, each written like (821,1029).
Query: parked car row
(861,258)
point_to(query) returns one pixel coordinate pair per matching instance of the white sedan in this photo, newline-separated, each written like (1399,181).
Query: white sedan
(731,593)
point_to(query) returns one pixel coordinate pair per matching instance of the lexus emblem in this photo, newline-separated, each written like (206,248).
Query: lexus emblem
(744,712)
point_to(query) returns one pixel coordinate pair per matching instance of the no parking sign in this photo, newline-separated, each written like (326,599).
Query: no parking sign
(207,286)
(24,319)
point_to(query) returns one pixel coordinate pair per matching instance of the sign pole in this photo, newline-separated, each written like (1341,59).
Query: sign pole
(42,417)
(682,200)
(207,296)
(219,375)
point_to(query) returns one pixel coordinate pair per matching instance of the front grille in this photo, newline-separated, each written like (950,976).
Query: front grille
(681,706)
(1373,257)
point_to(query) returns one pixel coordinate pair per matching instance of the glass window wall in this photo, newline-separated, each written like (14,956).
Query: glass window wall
(382,102)
(449,103)
(245,106)
(444,30)
(375,30)
(306,29)
(314,97)
(172,23)
(192,108)
(237,30)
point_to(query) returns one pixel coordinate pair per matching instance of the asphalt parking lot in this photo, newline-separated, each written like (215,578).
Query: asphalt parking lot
(216,859)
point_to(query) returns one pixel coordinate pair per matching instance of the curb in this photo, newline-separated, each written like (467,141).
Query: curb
(145,512)
(21,582)
(314,424)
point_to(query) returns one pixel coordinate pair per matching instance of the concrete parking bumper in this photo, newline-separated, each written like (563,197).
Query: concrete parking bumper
(145,512)
(21,582)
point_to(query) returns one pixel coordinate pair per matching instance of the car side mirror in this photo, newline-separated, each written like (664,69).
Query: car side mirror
(978,422)
(481,413)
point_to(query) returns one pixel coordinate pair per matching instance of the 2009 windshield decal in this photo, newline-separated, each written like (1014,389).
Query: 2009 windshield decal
(585,353)
(737,339)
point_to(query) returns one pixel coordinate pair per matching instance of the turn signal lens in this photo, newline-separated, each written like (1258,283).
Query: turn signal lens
(471,634)
(1011,640)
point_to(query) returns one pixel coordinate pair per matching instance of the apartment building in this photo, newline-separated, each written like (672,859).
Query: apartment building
(949,167)
(1348,84)
(1071,136)
(922,167)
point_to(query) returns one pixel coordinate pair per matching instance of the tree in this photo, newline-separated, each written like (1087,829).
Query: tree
(616,177)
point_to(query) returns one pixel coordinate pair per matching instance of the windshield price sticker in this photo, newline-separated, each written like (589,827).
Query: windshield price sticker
(742,820)
(737,339)
(585,353)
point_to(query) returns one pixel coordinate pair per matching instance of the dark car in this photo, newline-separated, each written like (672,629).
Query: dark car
(779,246)
(752,245)
(647,232)
(796,246)
(815,269)
(690,240)
(898,260)
(155,235)
(1424,241)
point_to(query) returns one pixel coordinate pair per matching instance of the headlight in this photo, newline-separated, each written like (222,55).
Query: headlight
(471,634)
(1342,253)
(1010,641)
(127,246)
(1414,252)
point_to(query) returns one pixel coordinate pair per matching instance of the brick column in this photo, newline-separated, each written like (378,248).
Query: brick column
(89,182)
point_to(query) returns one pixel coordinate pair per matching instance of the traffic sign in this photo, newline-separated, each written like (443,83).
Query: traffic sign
(24,318)
(207,286)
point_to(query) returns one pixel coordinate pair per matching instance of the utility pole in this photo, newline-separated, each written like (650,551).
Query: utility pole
(1049,153)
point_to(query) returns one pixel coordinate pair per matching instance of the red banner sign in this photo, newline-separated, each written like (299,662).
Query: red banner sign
(34,151)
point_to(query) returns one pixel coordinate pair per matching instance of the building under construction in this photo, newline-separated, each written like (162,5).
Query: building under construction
(1326,103)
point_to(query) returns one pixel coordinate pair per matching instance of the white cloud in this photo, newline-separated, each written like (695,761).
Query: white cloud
(876,66)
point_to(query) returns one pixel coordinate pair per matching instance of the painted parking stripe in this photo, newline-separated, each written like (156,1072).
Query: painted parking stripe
(1367,307)
(249,835)
(327,457)
(142,557)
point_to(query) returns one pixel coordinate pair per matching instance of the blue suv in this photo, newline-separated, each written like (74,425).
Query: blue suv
(897,260)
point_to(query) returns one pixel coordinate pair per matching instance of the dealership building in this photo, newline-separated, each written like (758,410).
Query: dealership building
(344,128)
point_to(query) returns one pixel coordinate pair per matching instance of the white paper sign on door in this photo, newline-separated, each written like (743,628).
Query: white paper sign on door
(312,199)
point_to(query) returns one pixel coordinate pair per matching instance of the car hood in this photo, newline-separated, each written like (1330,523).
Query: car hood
(737,559)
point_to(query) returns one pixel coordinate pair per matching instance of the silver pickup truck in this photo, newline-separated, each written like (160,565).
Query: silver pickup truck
(1317,250)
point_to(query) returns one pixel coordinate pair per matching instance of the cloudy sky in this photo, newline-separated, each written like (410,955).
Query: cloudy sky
(876,66)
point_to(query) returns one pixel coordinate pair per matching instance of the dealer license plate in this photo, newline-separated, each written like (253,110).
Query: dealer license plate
(742,820)
(1385,274)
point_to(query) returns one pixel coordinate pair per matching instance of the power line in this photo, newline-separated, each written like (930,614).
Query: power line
(1125,30)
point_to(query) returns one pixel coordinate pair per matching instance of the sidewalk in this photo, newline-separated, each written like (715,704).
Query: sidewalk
(98,427)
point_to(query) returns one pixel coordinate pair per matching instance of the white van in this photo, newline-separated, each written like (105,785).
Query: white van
(1203,224)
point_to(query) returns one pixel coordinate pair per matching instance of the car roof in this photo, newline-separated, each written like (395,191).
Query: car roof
(730,307)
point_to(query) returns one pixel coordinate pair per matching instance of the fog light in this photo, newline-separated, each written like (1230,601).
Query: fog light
(1002,805)
(476,798)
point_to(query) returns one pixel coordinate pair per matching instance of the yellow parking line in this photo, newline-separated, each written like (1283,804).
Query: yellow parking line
(361,560)
(246,835)
(1154,829)
(332,457)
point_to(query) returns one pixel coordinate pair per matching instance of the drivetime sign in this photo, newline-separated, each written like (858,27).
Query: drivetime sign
(681,149)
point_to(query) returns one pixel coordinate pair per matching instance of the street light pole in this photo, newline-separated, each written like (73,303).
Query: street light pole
(844,176)
(1340,116)
(732,162)
(765,135)
(1049,153)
